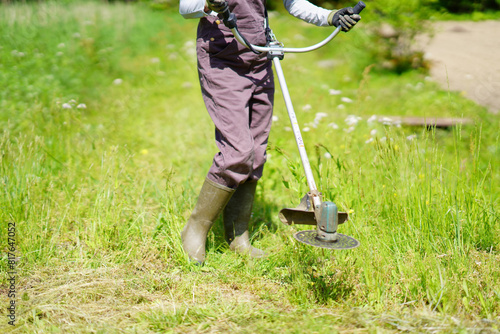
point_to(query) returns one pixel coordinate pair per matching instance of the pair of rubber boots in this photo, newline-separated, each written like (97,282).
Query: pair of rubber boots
(237,209)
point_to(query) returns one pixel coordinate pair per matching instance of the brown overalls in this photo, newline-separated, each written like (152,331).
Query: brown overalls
(238,90)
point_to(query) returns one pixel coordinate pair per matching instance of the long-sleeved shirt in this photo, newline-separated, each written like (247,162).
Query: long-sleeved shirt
(302,9)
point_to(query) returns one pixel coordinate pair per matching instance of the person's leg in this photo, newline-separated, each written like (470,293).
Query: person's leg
(237,215)
(212,199)
(261,113)
(238,211)
(226,94)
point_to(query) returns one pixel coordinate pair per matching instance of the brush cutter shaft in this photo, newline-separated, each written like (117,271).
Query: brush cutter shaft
(295,126)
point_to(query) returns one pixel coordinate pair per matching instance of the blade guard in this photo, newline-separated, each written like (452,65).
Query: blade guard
(304,214)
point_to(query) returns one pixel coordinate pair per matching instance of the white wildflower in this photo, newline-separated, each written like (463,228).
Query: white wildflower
(288,129)
(61,46)
(16,53)
(383,139)
(352,120)
(369,141)
(349,130)
(306,129)
(189,48)
(327,63)
(299,37)
(155,60)
(81,106)
(307,107)
(66,106)
(372,119)
(333,125)
(335,92)
(117,81)
(327,155)
(191,52)
(275,118)
(411,137)
(346,100)
(341,106)
(385,120)
(373,132)
(317,119)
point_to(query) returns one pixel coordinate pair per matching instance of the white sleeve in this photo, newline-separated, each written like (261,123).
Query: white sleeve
(192,9)
(308,12)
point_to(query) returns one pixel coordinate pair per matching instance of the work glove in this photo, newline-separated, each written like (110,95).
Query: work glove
(344,17)
(218,6)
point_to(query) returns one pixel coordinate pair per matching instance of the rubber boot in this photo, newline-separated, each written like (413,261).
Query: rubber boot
(211,201)
(236,219)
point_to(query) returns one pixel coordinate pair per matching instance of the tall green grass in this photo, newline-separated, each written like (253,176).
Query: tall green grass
(100,193)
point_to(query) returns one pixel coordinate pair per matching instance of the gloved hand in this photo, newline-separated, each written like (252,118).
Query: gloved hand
(217,6)
(344,17)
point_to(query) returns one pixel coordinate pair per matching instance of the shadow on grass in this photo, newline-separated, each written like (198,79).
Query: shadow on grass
(264,220)
(330,287)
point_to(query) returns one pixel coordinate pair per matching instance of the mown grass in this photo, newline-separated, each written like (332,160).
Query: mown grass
(100,194)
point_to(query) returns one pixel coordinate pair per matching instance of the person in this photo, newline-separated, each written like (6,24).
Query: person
(238,90)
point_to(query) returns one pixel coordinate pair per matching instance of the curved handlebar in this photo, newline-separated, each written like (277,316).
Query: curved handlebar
(230,22)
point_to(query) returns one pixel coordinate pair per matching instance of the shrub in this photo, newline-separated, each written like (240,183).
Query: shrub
(467,6)
(392,28)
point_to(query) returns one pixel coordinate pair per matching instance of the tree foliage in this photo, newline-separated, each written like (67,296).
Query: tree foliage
(453,6)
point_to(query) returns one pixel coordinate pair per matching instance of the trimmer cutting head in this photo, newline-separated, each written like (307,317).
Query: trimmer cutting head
(325,217)
(311,238)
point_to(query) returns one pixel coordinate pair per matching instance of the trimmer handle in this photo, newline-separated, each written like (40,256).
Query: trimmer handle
(359,7)
(228,18)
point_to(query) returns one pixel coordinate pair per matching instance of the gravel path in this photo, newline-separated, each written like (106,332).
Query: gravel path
(465,57)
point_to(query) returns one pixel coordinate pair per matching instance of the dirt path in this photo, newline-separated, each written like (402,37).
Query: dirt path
(466,58)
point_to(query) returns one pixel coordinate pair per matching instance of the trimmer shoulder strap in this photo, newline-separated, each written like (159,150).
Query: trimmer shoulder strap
(267,29)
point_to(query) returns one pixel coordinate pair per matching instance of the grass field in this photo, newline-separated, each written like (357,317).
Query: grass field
(105,143)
